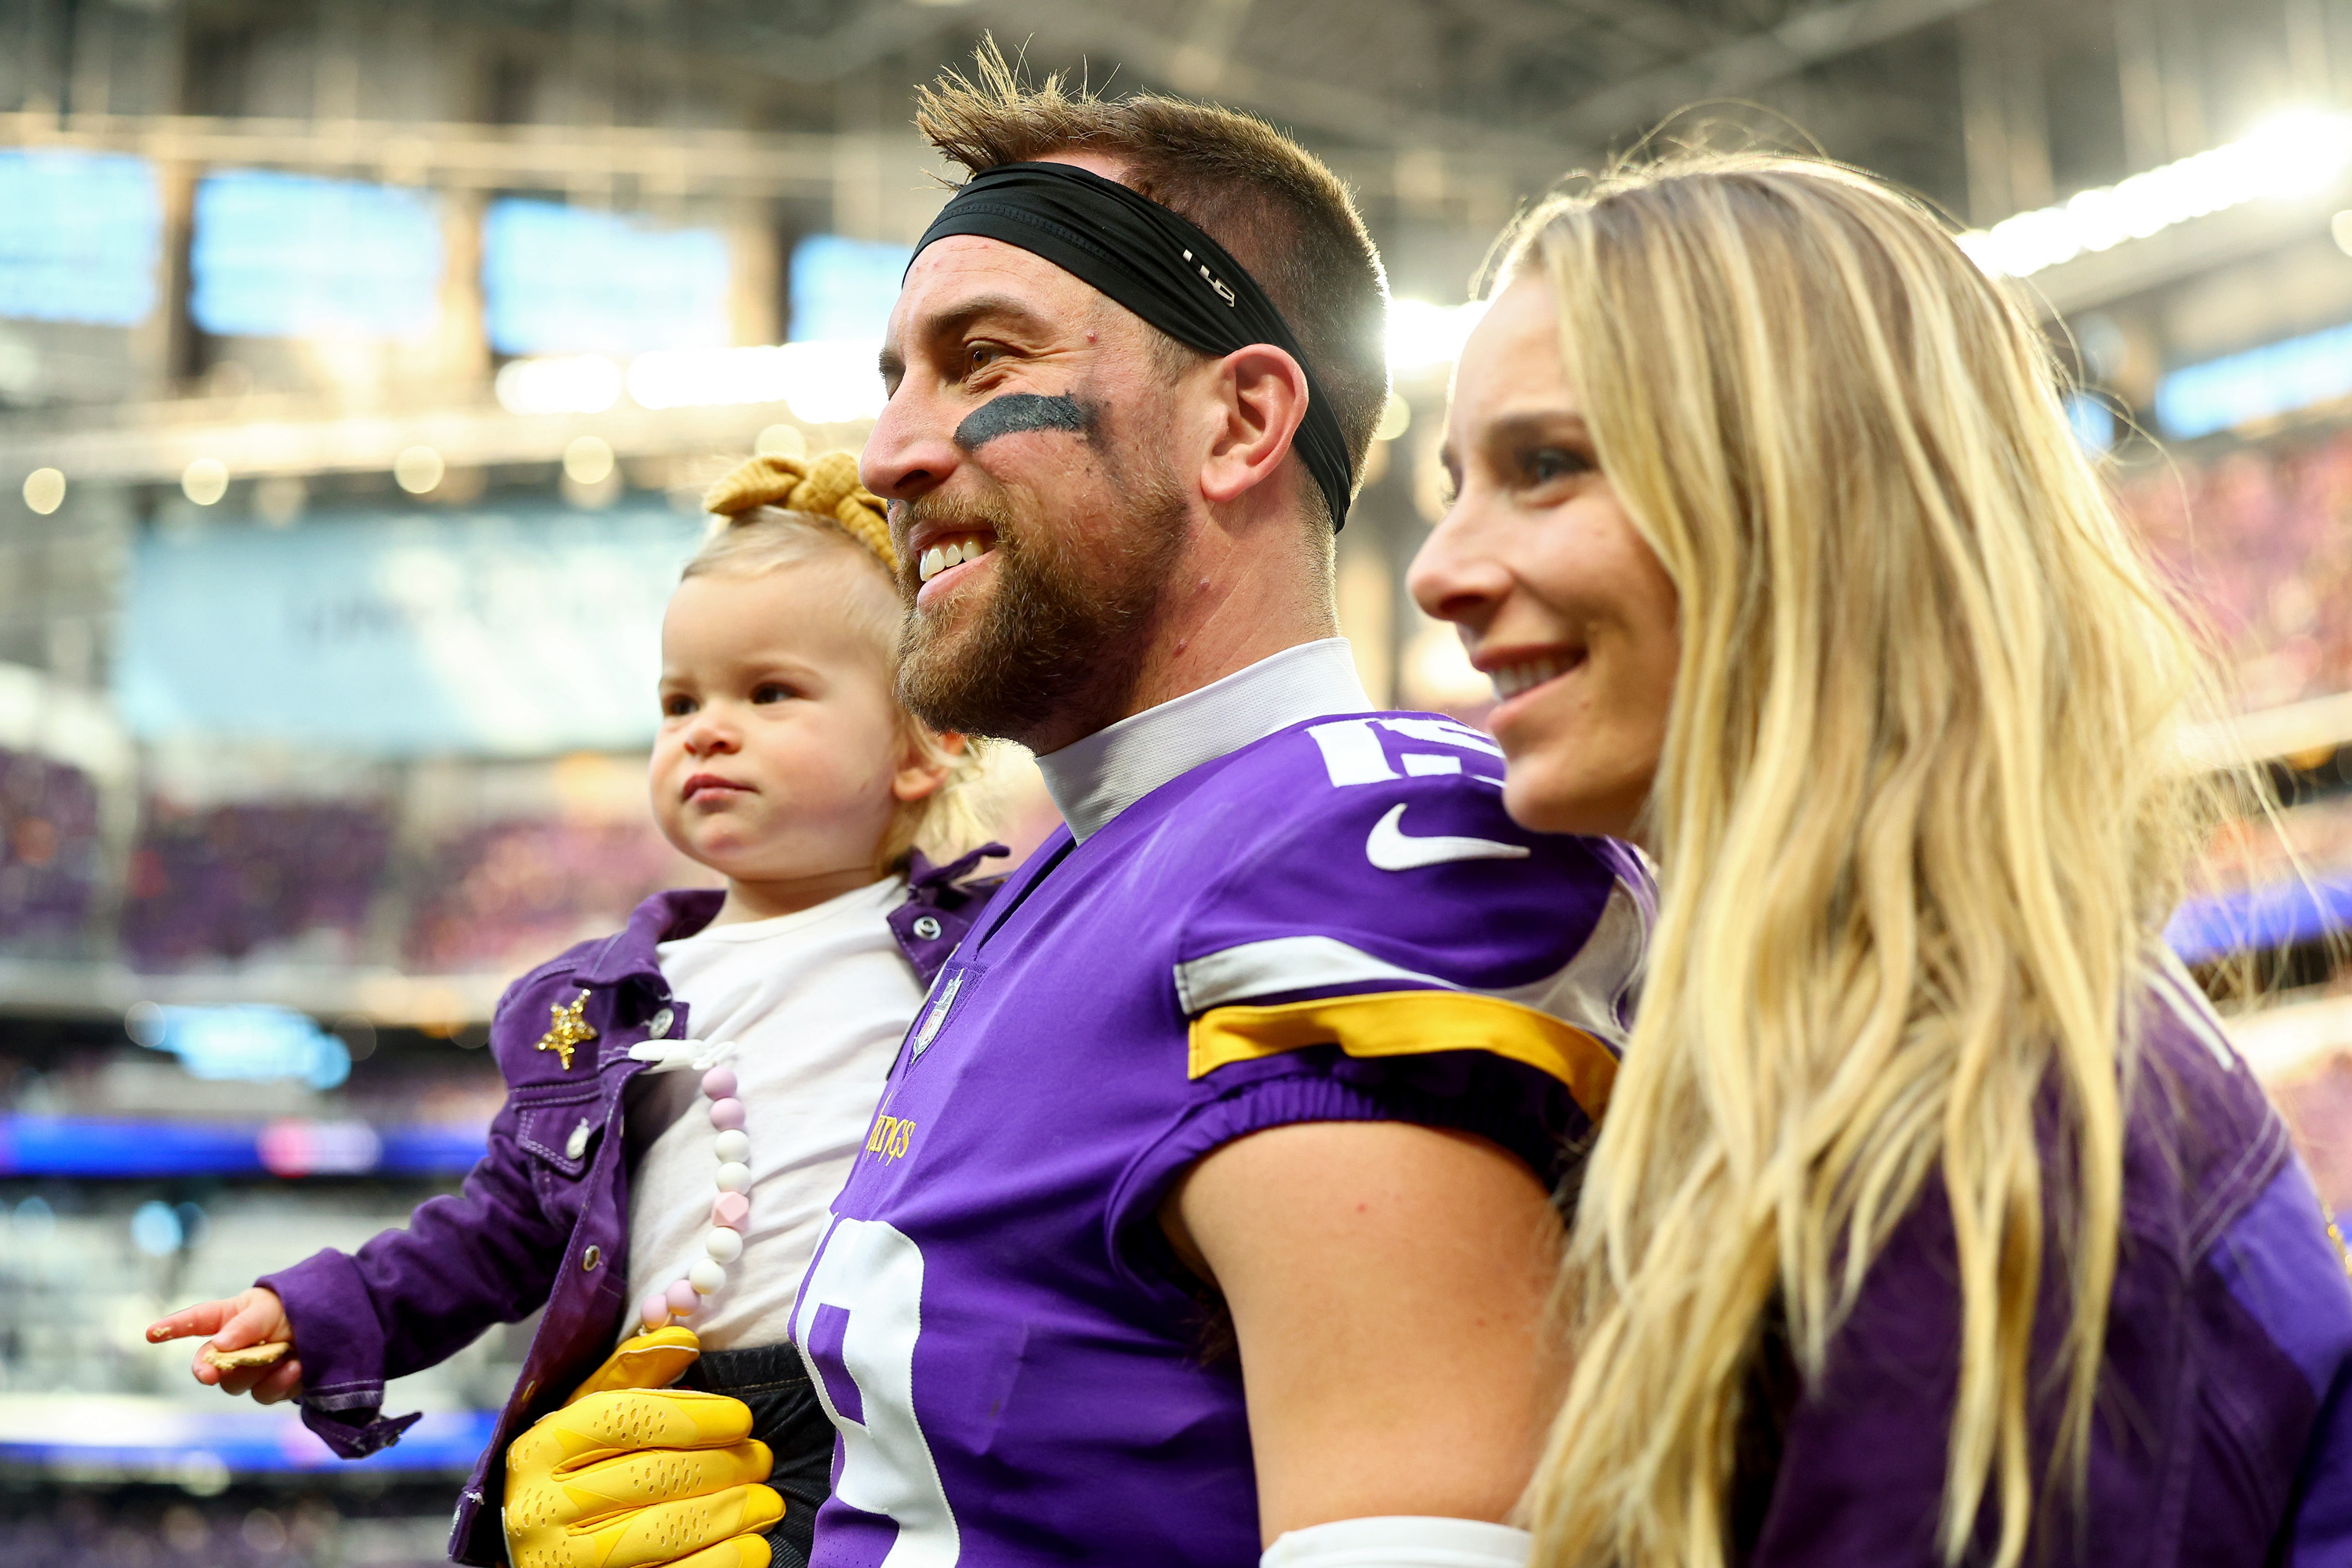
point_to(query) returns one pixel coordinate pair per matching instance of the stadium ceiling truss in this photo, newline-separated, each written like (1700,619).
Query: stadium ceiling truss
(1401,94)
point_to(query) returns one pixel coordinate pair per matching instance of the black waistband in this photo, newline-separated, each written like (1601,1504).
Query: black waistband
(747,1368)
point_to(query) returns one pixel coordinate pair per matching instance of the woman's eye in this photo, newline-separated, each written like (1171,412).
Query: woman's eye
(1548,465)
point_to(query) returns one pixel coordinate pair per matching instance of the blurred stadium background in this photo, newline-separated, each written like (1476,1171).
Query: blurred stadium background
(360,365)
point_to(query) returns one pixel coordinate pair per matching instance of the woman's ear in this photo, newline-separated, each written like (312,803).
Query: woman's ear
(923,769)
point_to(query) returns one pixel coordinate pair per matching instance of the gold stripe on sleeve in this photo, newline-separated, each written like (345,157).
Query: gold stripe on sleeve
(1408,1024)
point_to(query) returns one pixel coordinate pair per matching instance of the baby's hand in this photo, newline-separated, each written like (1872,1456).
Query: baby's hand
(255,1317)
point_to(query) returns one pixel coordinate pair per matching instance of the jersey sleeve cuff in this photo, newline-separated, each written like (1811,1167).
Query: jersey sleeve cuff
(1522,1109)
(1422,1022)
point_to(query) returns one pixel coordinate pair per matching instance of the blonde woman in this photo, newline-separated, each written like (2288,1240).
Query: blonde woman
(1933,1219)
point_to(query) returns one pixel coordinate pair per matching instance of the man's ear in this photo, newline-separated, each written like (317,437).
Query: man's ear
(1263,392)
(921,769)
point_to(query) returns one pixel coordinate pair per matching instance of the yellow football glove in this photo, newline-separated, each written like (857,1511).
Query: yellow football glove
(631,1474)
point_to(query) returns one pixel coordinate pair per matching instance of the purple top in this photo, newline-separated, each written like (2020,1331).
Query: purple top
(1337,922)
(2223,1431)
(542,1220)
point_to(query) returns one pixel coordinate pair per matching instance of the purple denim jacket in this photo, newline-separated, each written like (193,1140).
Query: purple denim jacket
(543,1220)
(2223,1431)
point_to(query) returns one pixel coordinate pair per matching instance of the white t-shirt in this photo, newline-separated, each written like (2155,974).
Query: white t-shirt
(817,1003)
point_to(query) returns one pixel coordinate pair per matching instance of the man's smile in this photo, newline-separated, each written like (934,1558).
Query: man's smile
(952,551)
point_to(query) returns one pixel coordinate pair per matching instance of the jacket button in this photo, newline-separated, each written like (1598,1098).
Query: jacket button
(927,927)
(657,1026)
(590,1258)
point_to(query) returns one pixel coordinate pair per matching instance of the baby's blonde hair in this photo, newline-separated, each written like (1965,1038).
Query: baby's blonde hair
(774,512)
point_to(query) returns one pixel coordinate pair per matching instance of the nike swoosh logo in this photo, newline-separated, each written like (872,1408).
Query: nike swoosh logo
(1391,849)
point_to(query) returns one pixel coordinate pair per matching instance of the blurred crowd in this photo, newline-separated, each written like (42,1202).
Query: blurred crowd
(51,859)
(282,1527)
(313,881)
(2260,540)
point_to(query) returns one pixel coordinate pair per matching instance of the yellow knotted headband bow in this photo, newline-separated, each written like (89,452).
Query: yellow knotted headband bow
(823,486)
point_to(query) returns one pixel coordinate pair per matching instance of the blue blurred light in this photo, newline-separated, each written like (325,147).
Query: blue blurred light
(2278,378)
(252,1043)
(158,1441)
(2094,422)
(80,236)
(285,255)
(102,1147)
(2280,914)
(843,288)
(155,1229)
(561,279)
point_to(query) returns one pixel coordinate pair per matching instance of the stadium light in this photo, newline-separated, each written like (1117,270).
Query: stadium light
(827,383)
(2296,152)
(563,383)
(205,481)
(832,381)
(588,461)
(44,490)
(1423,337)
(419,470)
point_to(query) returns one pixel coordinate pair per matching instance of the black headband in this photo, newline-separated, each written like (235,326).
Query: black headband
(1156,263)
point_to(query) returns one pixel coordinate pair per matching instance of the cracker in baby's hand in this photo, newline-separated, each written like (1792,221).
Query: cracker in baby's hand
(251,1356)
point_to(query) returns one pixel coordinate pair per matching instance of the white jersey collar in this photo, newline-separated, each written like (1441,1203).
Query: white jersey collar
(1095,779)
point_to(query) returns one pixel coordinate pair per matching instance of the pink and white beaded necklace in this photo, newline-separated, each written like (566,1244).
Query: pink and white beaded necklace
(730,1209)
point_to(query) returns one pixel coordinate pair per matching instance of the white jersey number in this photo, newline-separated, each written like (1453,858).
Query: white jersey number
(864,1295)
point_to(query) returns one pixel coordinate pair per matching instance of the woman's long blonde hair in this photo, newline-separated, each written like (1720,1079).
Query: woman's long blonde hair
(1919,813)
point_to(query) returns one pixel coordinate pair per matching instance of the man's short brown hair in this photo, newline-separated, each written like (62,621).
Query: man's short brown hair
(1269,201)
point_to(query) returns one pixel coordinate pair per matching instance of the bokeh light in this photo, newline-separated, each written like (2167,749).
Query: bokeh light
(44,490)
(588,461)
(419,470)
(205,481)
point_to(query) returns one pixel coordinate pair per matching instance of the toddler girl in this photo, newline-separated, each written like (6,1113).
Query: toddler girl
(686,1096)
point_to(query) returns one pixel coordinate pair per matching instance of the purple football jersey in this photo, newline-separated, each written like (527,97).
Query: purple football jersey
(1337,922)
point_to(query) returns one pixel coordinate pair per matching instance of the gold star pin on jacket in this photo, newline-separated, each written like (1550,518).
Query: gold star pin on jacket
(568,1030)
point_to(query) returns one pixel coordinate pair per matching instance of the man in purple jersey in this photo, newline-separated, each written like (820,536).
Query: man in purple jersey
(1210,1198)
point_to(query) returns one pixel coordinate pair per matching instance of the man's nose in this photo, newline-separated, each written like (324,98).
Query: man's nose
(912,450)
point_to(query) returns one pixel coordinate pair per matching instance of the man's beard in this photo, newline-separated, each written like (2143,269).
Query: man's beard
(1060,643)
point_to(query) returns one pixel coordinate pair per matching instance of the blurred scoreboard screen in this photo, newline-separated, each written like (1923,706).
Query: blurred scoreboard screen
(527,631)
(80,236)
(560,280)
(843,288)
(288,256)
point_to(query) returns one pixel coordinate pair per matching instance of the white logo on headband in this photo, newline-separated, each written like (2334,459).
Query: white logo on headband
(1211,279)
